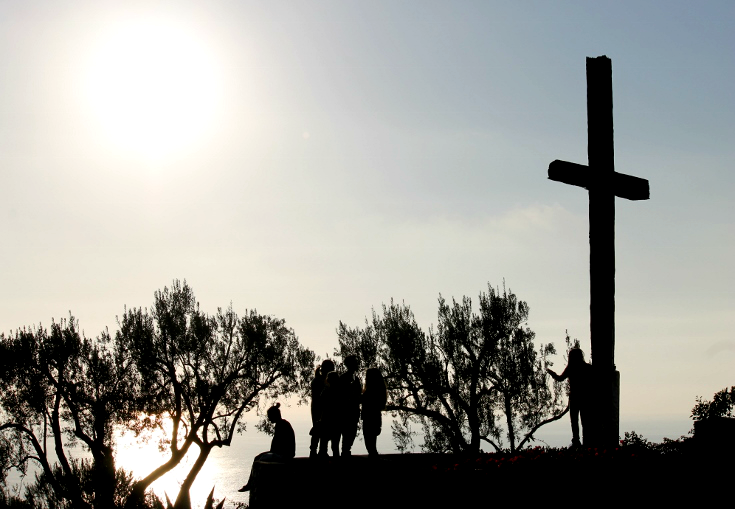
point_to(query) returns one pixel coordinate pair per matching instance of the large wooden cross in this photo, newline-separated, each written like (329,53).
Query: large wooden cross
(604,184)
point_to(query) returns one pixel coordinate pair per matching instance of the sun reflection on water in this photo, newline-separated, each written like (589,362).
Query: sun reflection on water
(143,454)
(226,469)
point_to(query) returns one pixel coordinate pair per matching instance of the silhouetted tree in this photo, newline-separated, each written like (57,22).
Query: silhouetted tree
(721,405)
(173,368)
(476,374)
(202,372)
(62,387)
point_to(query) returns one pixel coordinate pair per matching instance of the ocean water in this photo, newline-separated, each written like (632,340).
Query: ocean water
(228,468)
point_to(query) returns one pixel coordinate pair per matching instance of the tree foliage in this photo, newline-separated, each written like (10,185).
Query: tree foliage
(172,368)
(202,372)
(476,377)
(61,389)
(721,405)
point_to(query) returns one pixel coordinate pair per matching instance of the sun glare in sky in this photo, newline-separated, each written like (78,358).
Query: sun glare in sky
(153,87)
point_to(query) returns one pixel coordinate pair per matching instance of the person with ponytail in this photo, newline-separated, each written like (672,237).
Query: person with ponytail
(283,445)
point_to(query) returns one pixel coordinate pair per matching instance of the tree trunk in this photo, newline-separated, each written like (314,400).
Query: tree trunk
(137,495)
(474,423)
(509,421)
(182,500)
(103,468)
(103,473)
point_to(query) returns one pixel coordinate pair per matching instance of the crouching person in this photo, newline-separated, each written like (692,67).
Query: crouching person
(283,446)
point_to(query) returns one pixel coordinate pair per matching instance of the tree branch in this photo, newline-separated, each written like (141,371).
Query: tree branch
(486,439)
(542,423)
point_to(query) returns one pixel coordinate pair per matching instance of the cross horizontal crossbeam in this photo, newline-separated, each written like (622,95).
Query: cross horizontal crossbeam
(623,186)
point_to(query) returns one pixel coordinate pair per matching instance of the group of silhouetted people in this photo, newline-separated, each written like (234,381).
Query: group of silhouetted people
(338,401)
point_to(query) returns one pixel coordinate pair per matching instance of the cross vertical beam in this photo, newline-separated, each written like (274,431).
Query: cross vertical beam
(604,184)
(601,157)
(601,160)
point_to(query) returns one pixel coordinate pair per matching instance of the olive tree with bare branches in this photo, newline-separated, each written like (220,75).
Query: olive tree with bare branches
(203,372)
(172,368)
(477,377)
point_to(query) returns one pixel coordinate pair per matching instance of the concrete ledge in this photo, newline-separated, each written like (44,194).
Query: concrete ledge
(445,480)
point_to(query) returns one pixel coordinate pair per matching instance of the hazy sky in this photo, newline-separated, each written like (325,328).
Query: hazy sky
(314,159)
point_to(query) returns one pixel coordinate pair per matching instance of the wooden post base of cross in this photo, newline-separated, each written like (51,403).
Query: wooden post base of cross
(601,427)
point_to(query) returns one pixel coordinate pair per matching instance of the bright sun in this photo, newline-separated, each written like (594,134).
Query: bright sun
(153,87)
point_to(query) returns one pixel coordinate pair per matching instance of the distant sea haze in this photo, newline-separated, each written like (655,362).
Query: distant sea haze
(228,468)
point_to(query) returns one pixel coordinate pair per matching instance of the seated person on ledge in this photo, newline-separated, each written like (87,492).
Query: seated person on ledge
(283,445)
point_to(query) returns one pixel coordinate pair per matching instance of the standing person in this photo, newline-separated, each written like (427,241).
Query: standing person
(317,386)
(350,393)
(329,420)
(374,399)
(283,445)
(579,374)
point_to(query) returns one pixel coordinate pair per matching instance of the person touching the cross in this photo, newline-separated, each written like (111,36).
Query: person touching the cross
(579,373)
